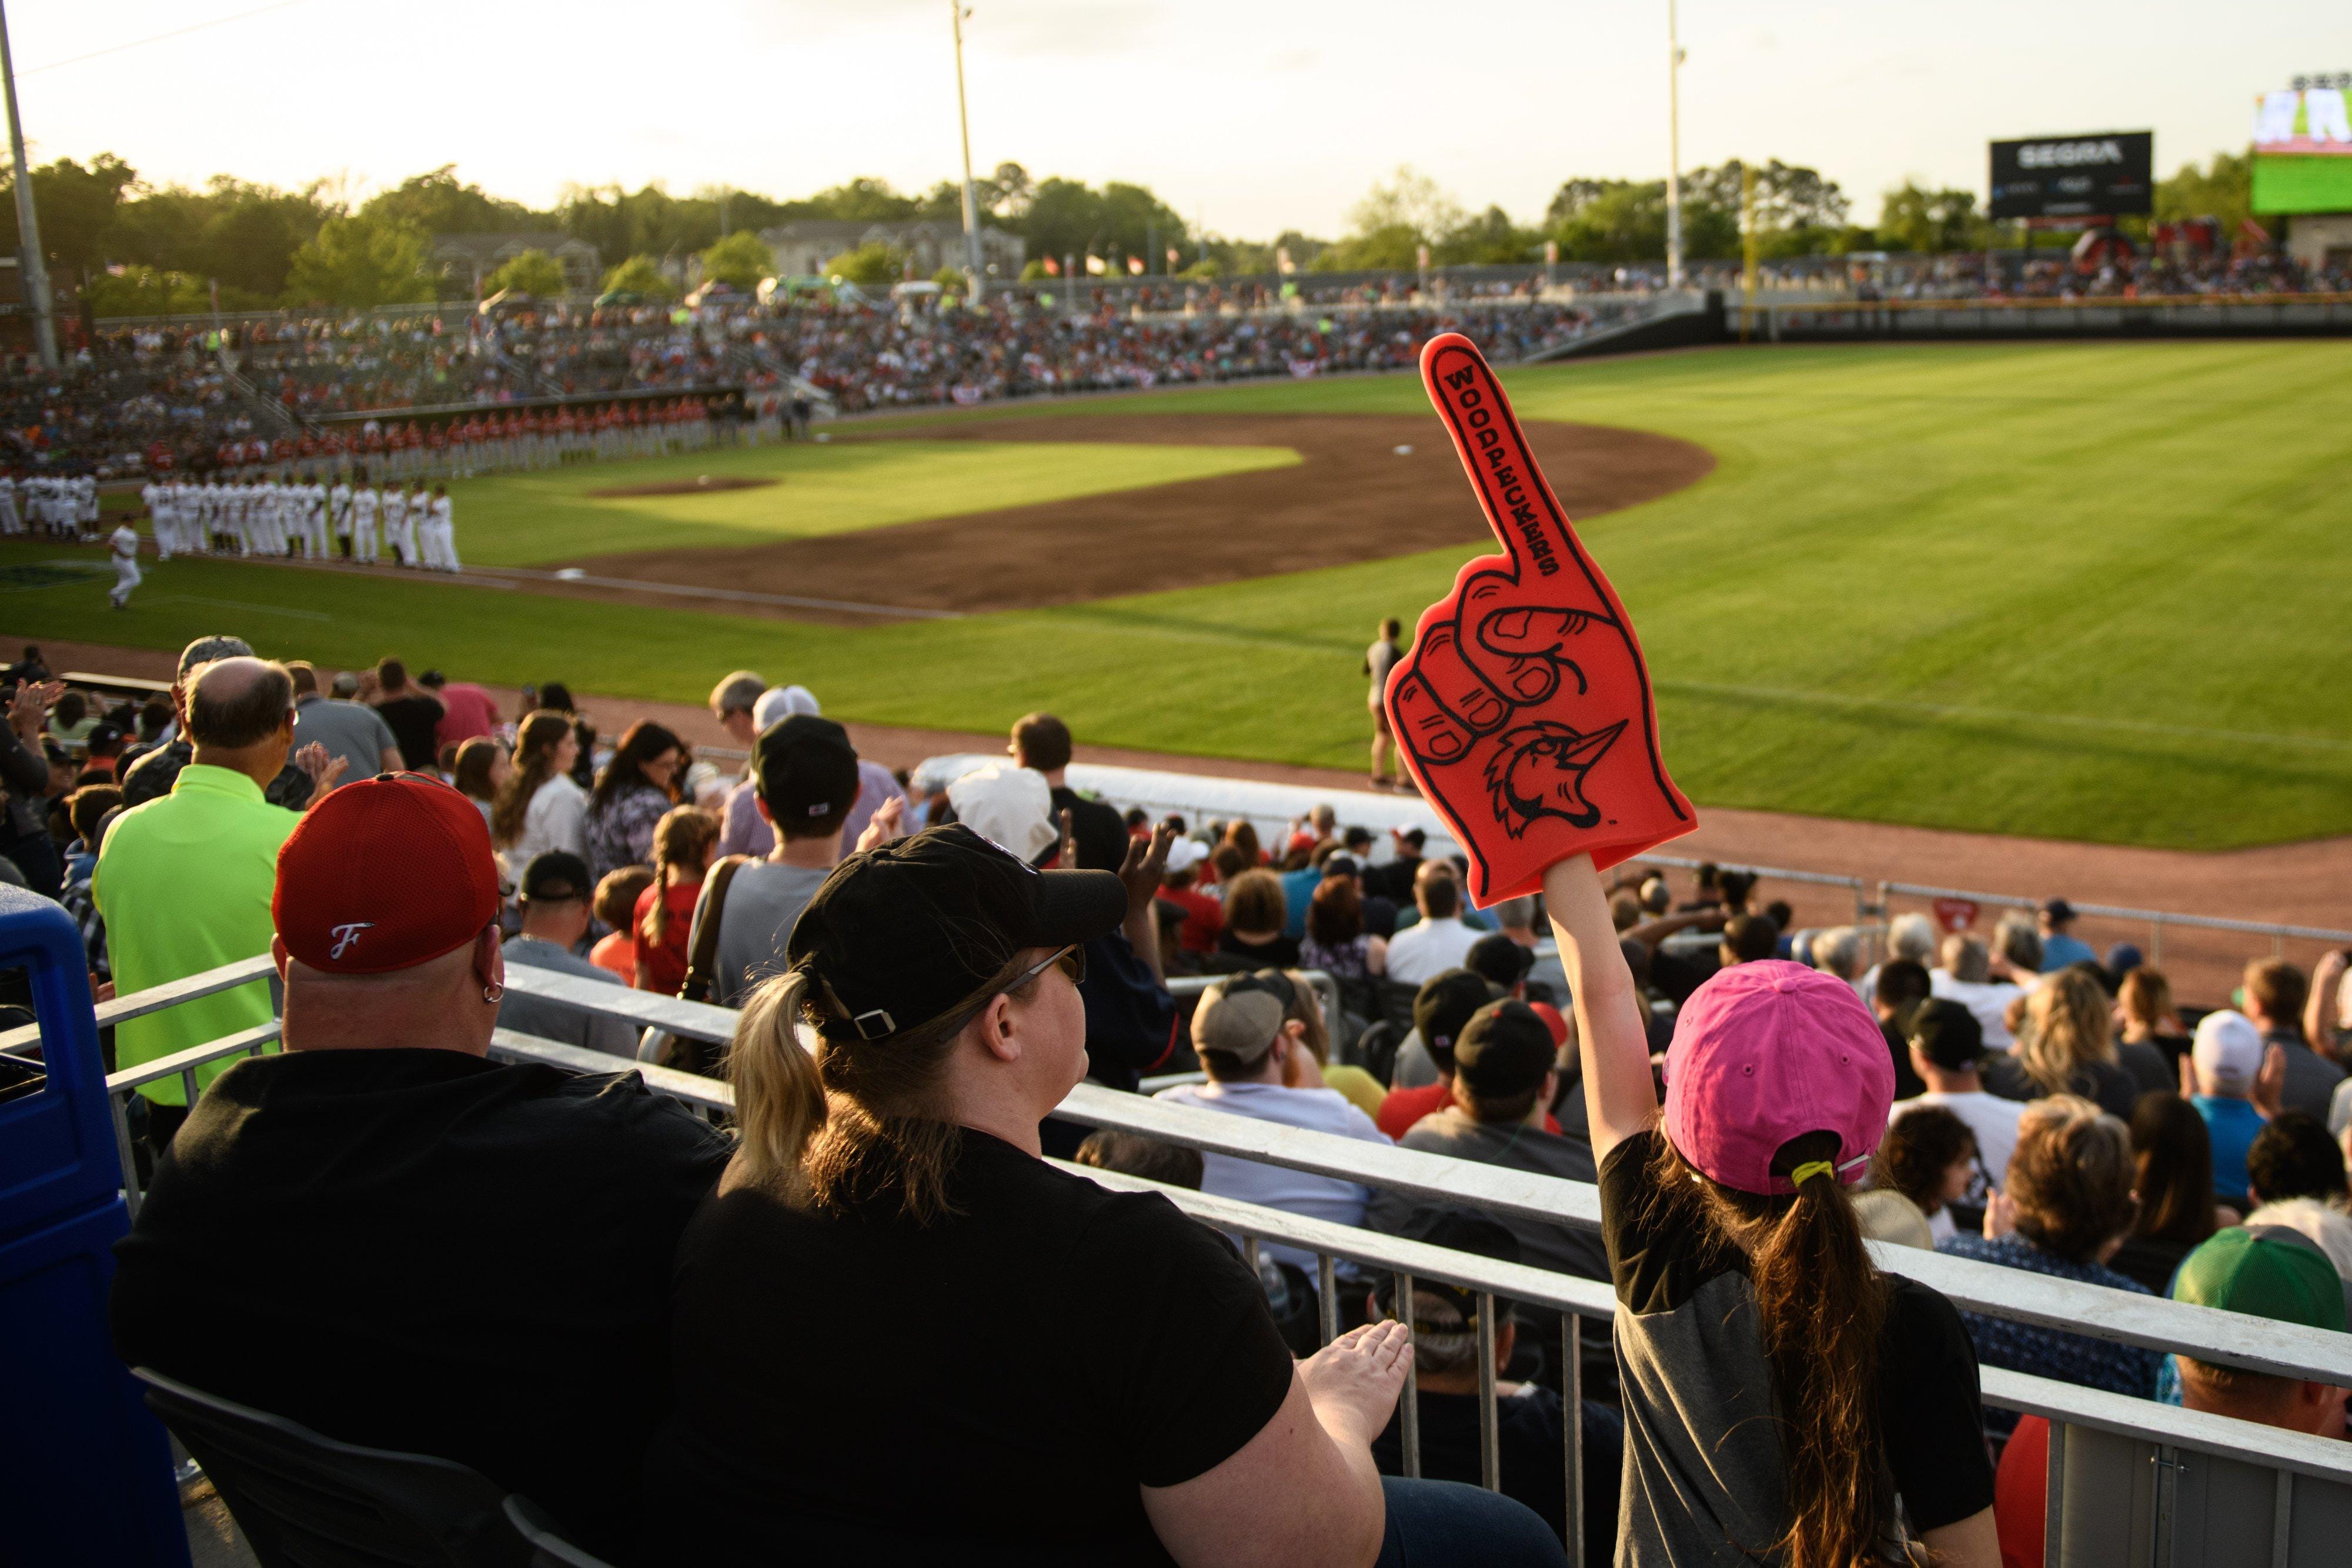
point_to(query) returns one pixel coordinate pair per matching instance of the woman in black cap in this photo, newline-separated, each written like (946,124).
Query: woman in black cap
(898,1330)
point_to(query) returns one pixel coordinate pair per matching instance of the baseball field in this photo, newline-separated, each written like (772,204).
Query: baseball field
(2087,591)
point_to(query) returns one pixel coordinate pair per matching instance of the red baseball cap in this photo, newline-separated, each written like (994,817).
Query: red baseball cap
(384,874)
(1767,1051)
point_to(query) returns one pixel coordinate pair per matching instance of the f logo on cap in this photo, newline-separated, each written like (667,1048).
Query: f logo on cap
(346,935)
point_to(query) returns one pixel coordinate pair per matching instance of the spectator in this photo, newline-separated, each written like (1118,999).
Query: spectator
(2223,1065)
(1204,917)
(1838,951)
(555,914)
(1503,1083)
(1335,941)
(1379,914)
(382,1184)
(2144,1004)
(616,906)
(2060,949)
(1910,937)
(1748,939)
(1440,940)
(412,713)
(1043,742)
(542,808)
(1379,659)
(1154,1159)
(2173,1180)
(1780,1389)
(467,711)
(2292,1157)
(1245,1041)
(70,720)
(353,731)
(1928,1163)
(103,749)
(481,772)
(1313,1068)
(732,702)
(2068,1047)
(150,777)
(635,788)
(1530,1421)
(184,882)
(2327,1011)
(2275,993)
(1102,1339)
(1901,985)
(1966,977)
(1517,918)
(806,772)
(1441,1010)
(1253,920)
(86,807)
(2324,1226)
(2066,1209)
(556,697)
(1397,880)
(2016,957)
(2262,1272)
(24,840)
(746,833)
(685,841)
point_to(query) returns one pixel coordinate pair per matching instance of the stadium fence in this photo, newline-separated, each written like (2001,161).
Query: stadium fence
(2131,1482)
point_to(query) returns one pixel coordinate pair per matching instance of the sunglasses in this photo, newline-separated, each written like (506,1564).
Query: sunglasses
(1071,959)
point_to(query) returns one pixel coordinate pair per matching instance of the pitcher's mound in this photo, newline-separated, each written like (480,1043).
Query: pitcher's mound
(701,485)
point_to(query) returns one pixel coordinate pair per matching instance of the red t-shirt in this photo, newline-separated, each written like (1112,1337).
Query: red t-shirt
(665,964)
(618,952)
(1204,918)
(1401,1108)
(2020,1494)
(467,711)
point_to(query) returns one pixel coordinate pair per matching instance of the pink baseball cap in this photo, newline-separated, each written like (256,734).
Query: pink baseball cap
(1767,1051)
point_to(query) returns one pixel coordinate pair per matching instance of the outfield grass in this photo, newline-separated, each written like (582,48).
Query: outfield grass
(551,520)
(2091,591)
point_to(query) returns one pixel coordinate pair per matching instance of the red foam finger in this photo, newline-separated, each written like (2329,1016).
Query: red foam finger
(1524,711)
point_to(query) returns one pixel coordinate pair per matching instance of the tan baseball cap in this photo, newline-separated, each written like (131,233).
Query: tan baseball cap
(1241,1025)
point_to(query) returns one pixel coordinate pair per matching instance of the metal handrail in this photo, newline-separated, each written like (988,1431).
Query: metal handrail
(2124,912)
(2152,1323)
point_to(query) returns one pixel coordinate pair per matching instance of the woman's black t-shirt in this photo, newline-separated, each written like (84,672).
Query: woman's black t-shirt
(1703,1473)
(993,1386)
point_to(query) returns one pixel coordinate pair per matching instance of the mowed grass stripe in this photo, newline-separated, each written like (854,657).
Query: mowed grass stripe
(551,519)
(2065,591)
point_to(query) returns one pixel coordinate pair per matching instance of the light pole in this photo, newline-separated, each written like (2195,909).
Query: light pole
(33,271)
(971,264)
(1674,153)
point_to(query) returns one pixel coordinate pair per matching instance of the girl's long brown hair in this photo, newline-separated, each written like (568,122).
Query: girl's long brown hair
(1821,1306)
(682,838)
(534,764)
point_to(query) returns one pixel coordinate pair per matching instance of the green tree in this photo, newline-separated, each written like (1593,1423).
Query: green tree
(739,261)
(76,207)
(863,200)
(640,275)
(873,262)
(1410,201)
(136,290)
(2223,190)
(242,236)
(1393,247)
(950,280)
(532,272)
(1915,219)
(1624,222)
(359,261)
(1065,217)
(1490,239)
(439,202)
(647,221)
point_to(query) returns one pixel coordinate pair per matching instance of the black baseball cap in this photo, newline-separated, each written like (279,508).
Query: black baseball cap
(1501,959)
(1457,1230)
(1444,1006)
(903,934)
(2057,910)
(1947,1034)
(806,768)
(555,876)
(1504,1050)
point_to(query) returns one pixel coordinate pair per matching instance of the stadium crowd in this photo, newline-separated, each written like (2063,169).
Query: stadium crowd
(399,843)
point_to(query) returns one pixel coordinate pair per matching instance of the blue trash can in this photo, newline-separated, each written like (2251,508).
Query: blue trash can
(84,1469)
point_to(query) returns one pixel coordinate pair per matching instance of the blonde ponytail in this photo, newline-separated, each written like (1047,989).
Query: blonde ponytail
(779,1099)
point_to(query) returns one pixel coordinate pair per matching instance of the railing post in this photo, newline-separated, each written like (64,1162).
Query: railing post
(1409,1411)
(1326,1287)
(124,1150)
(1490,1440)
(1572,1383)
(2053,1502)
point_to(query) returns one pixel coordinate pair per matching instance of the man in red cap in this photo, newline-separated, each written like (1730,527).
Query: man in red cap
(392,1239)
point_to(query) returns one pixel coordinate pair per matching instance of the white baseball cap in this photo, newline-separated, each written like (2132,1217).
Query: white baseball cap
(782,702)
(2228,1051)
(1013,808)
(1183,854)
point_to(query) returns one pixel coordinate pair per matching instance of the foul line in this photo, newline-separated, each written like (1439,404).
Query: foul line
(240,604)
(736,595)
(1940,710)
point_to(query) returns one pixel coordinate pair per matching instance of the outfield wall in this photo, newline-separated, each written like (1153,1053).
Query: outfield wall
(1928,321)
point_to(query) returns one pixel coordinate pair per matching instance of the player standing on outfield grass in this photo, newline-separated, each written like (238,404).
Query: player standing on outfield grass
(124,543)
(339,508)
(1379,659)
(420,525)
(397,538)
(366,504)
(444,529)
(316,543)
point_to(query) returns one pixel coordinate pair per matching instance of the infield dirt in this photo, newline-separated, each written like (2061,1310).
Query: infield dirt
(1354,495)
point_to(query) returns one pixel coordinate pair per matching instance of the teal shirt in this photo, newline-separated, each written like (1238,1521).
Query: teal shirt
(183,882)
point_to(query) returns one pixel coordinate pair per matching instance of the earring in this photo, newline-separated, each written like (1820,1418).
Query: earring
(492,993)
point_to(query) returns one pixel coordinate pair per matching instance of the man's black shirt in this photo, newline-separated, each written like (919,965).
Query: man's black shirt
(413,718)
(426,1251)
